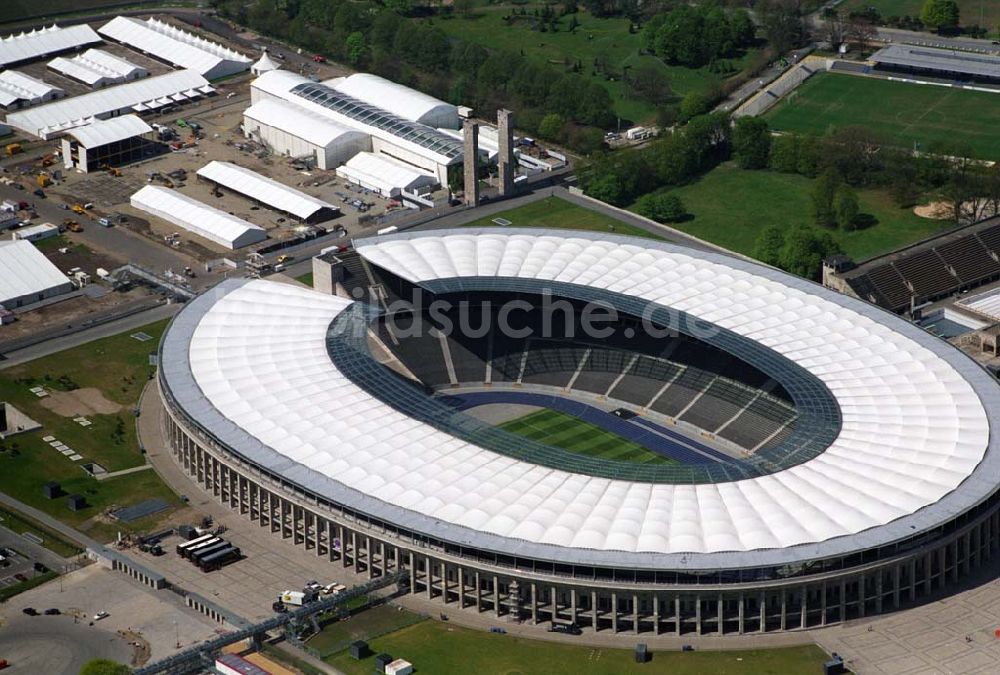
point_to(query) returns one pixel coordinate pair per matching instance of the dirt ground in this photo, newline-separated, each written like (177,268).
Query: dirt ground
(86,401)
(71,311)
(934,210)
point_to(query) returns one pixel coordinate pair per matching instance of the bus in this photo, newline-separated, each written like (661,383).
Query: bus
(219,558)
(183,546)
(190,551)
(202,553)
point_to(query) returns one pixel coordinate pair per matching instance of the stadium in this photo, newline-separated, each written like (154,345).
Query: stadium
(804,458)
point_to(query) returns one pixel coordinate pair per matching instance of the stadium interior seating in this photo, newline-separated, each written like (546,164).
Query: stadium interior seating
(676,376)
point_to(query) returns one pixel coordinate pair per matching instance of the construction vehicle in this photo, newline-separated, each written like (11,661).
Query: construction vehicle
(43,180)
(48,160)
(13,149)
(78,209)
(72,225)
(284,257)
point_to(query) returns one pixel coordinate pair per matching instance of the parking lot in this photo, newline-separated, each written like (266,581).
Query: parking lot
(20,555)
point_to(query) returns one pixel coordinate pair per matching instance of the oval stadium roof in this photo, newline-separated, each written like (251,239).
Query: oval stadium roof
(251,365)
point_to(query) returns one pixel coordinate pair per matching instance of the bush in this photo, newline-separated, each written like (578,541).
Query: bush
(663,208)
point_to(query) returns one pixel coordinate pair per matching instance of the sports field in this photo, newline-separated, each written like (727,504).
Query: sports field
(561,215)
(901,112)
(569,433)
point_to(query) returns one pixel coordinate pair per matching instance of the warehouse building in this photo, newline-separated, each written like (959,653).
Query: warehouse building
(97,68)
(948,63)
(408,103)
(151,93)
(112,142)
(200,219)
(295,132)
(18,90)
(175,46)
(384,175)
(27,276)
(44,42)
(270,193)
(390,133)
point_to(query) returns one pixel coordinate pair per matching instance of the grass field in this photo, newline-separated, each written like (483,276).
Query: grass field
(898,111)
(608,38)
(569,433)
(306,279)
(436,647)
(19,10)
(50,540)
(755,200)
(380,620)
(118,366)
(985,13)
(562,215)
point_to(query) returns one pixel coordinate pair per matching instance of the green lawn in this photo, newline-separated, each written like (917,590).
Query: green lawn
(901,112)
(50,540)
(338,635)
(595,37)
(306,278)
(985,13)
(755,200)
(573,434)
(119,367)
(562,215)
(436,647)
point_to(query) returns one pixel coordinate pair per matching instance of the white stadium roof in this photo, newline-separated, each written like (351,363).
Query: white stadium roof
(44,41)
(383,173)
(297,121)
(173,45)
(264,189)
(196,217)
(399,99)
(102,132)
(17,86)
(96,66)
(54,118)
(25,271)
(252,365)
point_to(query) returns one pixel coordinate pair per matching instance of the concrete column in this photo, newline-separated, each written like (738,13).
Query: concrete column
(861,595)
(635,613)
(572,605)
(461,588)
(614,613)
(354,549)
(822,605)
(784,609)
(496,595)
(928,574)
(534,603)
(444,584)
(896,573)
(429,576)
(479,594)
(697,614)
(505,158)
(763,612)
(677,615)
(804,617)
(943,564)
(470,150)
(843,600)
(740,611)
(719,615)
(656,614)
(913,579)
(593,608)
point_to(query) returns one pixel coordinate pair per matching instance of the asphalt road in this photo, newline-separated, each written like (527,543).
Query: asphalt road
(56,645)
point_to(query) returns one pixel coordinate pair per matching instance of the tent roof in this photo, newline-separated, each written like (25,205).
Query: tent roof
(102,132)
(42,42)
(24,270)
(263,189)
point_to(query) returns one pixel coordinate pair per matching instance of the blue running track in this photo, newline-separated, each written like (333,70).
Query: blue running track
(661,440)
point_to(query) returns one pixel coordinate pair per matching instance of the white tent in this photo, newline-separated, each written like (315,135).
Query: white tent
(18,90)
(27,276)
(384,175)
(267,191)
(98,68)
(264,64)
(198,218)
(44,41)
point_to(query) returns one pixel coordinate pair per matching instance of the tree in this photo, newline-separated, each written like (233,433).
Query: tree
(782,22)
(663,208)
(551,127)
(751,142)
(651,83)
(104,667)
(463,7)
(845,203)
(835,29)
(355,47)
(860,31)
(823,192)
(693,104)
(607,189)
(784,155)
(938,14)
(804,250)
(769,245)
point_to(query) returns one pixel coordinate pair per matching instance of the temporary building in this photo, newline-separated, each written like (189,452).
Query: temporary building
(27,276)
(178,47)
(97,68)
(268,191)
(114,141)
(52,119)
(408,103)
(264,64)
(18,90)
(295,132)
(20,47)
(384,175)
(201,219)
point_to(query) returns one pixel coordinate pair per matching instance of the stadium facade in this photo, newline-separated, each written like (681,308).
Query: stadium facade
(880,491)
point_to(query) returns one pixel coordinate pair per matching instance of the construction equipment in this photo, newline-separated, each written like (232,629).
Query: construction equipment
(284,257)
(78,209)
(72,225)
(43,180)
(48,160)
(13,148)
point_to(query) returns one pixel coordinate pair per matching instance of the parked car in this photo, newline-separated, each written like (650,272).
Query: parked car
(566,629)
(101,615)
(30,611)
(52,611)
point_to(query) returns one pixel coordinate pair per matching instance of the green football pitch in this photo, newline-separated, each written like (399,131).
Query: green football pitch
(901,112)
(572,434)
